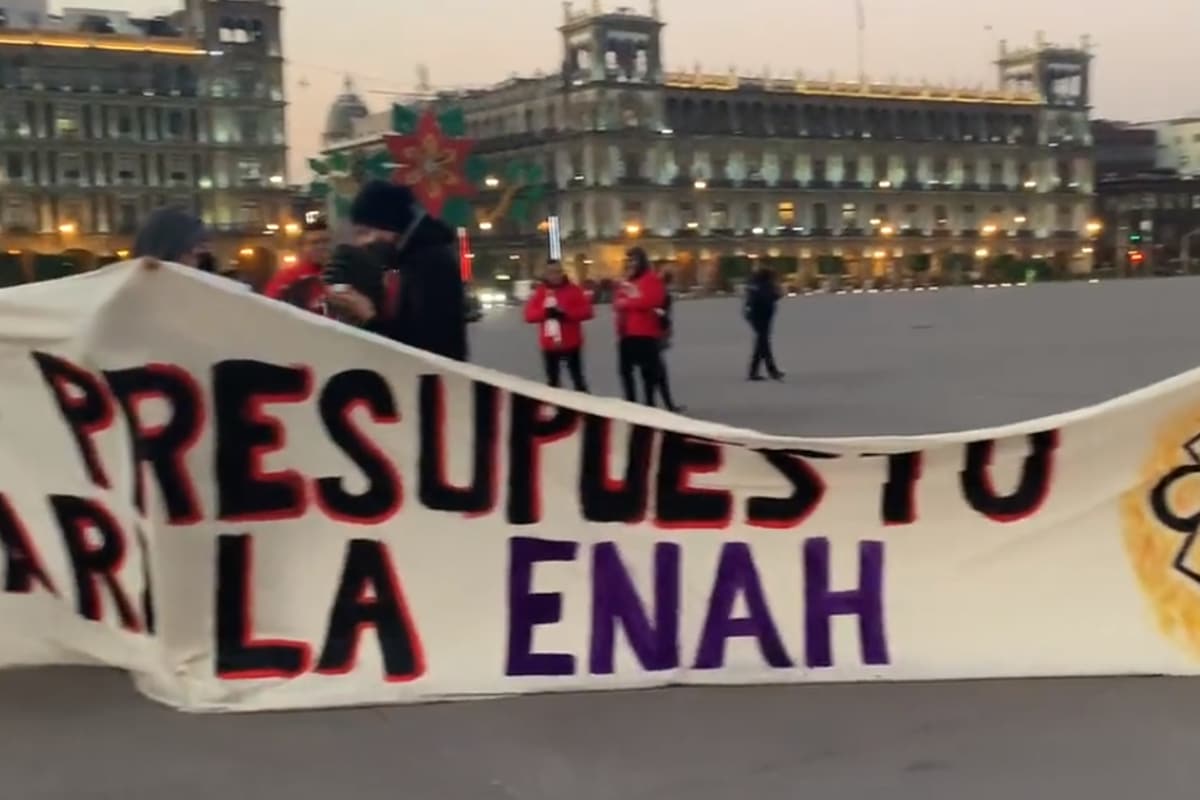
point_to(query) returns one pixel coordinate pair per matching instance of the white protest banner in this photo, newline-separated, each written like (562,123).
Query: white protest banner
(249,508)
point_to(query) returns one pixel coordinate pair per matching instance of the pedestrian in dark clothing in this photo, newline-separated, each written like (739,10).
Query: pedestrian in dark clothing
(559,308)
(637,303)
(667,316)
(762,299)
(419,298)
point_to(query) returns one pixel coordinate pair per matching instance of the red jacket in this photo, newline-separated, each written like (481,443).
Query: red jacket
(576,309)
(300,285)
(637,307)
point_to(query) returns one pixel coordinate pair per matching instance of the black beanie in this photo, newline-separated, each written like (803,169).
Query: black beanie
(169,234)
(385,206)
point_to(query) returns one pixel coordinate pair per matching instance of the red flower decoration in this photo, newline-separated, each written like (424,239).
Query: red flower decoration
(430,163)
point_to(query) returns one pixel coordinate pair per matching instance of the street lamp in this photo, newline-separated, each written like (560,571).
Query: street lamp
(981,253)
(292,229)
(700,185)
(1094,227)
(887,230)
(1020,220)
(491,182)
(633,229)
(989,230)
(485,226)
(67,228)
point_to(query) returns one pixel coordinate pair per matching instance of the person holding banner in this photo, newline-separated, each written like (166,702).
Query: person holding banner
(417,296)
(301,284)
(559,308)
(638,301)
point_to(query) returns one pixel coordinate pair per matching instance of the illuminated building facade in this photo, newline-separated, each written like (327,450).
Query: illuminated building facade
(105,117)
(694,166)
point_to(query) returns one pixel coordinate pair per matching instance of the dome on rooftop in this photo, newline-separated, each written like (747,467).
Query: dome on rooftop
(347,108)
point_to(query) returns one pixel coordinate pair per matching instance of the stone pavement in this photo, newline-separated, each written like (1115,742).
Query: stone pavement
(858,364)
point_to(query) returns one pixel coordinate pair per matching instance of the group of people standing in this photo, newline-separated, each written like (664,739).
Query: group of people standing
(399,277)
(642,309)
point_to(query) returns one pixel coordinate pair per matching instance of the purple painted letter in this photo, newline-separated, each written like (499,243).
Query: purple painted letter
(736,575)
(865,602)
(527,610)
(614,597)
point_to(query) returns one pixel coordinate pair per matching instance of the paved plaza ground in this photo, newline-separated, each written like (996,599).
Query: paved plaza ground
(857,364)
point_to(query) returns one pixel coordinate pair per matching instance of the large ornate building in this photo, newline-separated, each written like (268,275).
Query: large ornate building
(695,166)
(105,117)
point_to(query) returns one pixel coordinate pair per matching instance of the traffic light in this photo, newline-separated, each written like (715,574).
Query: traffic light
(1136,257)
(1135,237)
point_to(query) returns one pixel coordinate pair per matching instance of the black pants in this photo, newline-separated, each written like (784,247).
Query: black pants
(640,354)
(664,380)
(764,355)
(574,362)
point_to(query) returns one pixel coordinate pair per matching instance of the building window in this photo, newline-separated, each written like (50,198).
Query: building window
(882,173)
(66,122)
(970,220)
(969,178)
(911,213)
(787,214)
(124,122)
(249,172)
(719,217)
(754,214)
(850,169)
(72,168)
(633,165)
(14,167)
(849,216)
(912,170)
(941,169)
(996,173)
(820,217)
(818,170)
(941,217)
(175,124)
(250,214)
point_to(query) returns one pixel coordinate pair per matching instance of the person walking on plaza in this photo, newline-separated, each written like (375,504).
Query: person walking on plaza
(762,299)
(559,308)
(637,305)
(666,315)
(416,295)
(301,284)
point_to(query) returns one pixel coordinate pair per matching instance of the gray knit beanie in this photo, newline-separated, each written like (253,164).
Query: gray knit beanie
(168,235)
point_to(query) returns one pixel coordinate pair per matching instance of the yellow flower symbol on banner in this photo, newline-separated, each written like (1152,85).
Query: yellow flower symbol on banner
(1160,519)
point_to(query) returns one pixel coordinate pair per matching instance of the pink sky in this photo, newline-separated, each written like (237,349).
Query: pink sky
(1145,66)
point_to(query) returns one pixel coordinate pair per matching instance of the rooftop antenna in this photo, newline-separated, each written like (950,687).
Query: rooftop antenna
(423,85)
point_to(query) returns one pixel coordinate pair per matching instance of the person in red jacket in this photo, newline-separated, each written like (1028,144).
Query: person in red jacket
(301,284)
(640,328)
(559,308)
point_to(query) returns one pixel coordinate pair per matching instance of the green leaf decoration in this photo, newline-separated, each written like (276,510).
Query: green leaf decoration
(318,166)
(379,165)
(457,213)
(319,190)
(453,122)
(476,170)
(338,162)
(514,172)
(404,119)
(520,209)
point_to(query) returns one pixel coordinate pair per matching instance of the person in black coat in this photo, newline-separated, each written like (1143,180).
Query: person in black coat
(762,298)
(415,295)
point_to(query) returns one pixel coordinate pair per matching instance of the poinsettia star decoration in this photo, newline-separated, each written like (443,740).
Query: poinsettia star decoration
(431,163)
